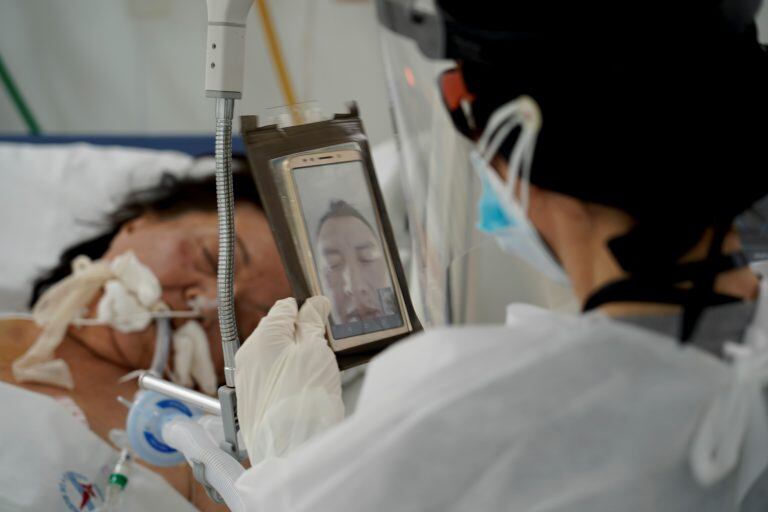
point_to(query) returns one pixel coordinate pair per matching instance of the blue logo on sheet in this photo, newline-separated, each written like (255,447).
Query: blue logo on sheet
(79,493)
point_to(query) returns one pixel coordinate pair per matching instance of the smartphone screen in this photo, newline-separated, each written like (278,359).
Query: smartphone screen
(348,248)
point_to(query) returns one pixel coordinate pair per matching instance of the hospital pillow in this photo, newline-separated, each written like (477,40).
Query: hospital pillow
(55,195)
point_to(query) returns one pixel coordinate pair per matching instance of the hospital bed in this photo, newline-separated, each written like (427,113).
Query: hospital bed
(193,145)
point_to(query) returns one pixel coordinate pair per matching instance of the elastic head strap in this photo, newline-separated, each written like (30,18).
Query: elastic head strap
(704,284)
(664,287)
(523,113)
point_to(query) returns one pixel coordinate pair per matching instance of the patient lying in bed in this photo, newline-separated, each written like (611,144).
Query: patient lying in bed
(172,230)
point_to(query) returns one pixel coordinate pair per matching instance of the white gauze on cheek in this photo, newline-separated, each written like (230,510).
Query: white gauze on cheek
(137,278)
(131,291)
(121,309)
(192,358)
(129,296)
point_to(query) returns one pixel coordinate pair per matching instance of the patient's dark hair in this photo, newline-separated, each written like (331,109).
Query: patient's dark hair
(340,208)
(171,196)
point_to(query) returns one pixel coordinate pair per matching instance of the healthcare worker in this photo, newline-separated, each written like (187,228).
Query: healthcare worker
(614,143)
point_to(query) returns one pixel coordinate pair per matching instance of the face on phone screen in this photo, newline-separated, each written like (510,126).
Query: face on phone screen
(348,248)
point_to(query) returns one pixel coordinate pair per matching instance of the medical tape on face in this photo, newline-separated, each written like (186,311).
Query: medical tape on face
(136,282)
(54,311)
(60,306)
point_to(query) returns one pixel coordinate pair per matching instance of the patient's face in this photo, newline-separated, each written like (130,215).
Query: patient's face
(353,268)
(182,252)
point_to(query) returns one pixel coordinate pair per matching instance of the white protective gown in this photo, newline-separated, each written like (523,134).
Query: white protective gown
(50,461)
(551,413)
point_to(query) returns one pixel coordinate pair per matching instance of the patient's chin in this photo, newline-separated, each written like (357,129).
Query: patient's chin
(135,350)
(137,347)
(131,350)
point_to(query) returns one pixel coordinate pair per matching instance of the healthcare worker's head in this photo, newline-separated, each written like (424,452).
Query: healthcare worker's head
(172,230)
(610,156)
(351,263)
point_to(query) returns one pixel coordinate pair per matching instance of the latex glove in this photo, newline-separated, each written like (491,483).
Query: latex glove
(287,380)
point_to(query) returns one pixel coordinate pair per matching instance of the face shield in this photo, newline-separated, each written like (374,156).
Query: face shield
(457,275)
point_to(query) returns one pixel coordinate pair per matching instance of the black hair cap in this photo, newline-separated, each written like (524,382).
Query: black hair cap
(656,108)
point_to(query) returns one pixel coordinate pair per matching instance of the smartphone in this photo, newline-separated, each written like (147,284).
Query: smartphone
(343,248)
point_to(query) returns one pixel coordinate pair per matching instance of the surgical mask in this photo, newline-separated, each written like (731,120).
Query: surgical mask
(501,214)
(130,302)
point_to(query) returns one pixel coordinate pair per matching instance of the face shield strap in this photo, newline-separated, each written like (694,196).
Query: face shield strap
(668,285)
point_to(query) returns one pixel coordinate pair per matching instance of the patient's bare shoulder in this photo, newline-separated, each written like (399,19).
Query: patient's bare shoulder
(96,391)
(15,337)
(96,380)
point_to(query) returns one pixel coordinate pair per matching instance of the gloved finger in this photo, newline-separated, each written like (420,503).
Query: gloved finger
(310,322)
(274,331)
(280,321)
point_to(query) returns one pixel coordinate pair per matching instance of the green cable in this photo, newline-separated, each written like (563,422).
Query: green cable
(18,100)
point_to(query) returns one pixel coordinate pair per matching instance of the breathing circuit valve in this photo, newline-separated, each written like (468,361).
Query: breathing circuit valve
(149,413)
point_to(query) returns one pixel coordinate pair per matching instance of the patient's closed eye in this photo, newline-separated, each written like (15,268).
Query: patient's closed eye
(333,260)
(207,258)
(368,252)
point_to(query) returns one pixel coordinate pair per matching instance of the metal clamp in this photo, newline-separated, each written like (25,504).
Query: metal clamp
(198,470)
(228,401)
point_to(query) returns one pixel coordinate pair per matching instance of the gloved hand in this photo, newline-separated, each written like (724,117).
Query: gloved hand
(287,380)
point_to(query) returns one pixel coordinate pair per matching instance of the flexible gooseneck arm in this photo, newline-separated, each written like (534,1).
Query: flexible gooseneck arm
(226,272)
(225,60)
(226,206)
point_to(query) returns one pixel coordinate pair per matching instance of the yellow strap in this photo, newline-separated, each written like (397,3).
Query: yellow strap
(277,58)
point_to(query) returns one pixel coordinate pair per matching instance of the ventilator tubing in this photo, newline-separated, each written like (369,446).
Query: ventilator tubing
(221,470)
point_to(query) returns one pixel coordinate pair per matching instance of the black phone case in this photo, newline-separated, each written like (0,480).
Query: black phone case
(266,143)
